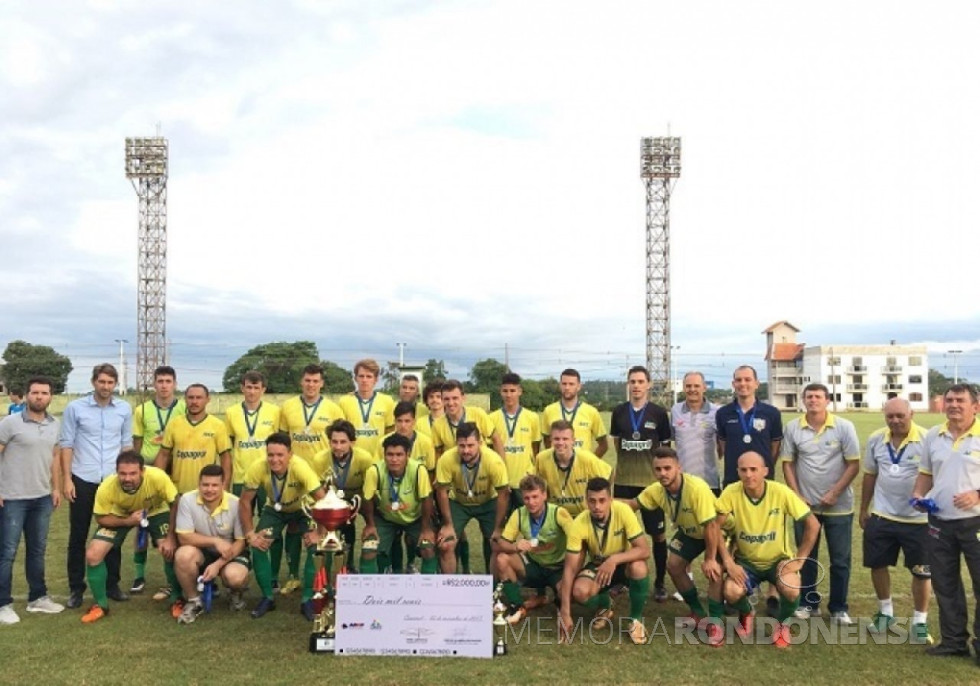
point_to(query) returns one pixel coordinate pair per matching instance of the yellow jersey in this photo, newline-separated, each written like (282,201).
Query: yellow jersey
(149,423)
(690,509)
(155,495)
(585,420)
(566,487)
(248,431)
(192,446)
(472,486)
(350,477)
(371,418)
(759,526)
(290,490)
(519,432)
(422,450)
(307,424)
(444,431)
(621,529)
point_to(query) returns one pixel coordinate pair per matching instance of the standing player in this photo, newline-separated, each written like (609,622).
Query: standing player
(638,427)
(821,457)
(94,430)
(610,535)
(307,416)
(420,444)
(583,417)
(695,432)
(567,469)
(521,432)
(691,505)
(248,425)
(17,404)
(288,481)
(408,389)
(891,466)
(471,483)
(398,491)
(457,412)
(150,420)
(368,410)
(194,440)
(432,398)
(531,549)
(135,496)
(757,511)
(212,543)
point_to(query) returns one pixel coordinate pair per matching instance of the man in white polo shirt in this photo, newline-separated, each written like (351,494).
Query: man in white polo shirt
(821,456)
(695,433)
(891,466)
(212,543)
(949,477)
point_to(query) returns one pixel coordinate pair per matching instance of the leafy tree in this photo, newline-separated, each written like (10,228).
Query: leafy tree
(534,398)
(434,369)
(282,364)
(24,360)
(336,379)
(939,383)
(485,377)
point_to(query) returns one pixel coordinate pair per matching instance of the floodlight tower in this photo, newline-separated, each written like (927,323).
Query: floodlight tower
(146,168)
(660,167)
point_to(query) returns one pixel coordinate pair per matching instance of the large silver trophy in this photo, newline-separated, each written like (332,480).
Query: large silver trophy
(331,513)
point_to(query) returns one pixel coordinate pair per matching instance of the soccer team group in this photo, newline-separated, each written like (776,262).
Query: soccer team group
(222,498)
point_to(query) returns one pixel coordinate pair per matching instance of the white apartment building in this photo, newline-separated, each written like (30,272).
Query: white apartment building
(860,377)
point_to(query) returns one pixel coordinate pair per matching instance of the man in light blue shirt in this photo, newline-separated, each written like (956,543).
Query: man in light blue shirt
(94,430)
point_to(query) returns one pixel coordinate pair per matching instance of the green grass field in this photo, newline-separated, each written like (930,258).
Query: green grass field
(139,642)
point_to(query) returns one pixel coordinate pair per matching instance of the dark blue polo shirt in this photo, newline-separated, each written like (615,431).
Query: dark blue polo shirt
(766,426)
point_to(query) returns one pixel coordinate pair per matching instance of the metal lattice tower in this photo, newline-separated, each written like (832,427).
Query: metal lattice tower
(146,168)
(660,167)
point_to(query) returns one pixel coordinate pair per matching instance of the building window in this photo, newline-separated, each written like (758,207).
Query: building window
(915,361)
(833,378)
(915,397)
(915,378)
(891,361)
(833,361)
(856,361)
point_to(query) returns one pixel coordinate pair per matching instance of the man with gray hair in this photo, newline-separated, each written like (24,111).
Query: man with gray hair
(820,459)
(695,433)
(891,466)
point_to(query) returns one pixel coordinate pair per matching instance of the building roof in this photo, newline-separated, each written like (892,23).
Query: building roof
(773,327)
(785,352)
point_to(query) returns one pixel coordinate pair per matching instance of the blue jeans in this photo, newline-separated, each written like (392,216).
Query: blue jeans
(30,517)
(837,528)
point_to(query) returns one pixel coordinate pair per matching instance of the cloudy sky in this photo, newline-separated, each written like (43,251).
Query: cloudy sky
(464,176)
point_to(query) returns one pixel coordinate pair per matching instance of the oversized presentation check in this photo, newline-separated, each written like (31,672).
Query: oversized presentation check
(424,615)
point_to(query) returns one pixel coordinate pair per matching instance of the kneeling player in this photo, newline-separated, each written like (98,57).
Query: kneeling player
(398,490)
(691,505)
(611,535)
(212,543)
(135,496)
(758,511)
(532,546)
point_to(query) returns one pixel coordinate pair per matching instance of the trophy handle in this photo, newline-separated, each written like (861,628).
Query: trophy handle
(355,507)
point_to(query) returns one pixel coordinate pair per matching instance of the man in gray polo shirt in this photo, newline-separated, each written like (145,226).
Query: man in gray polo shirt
(212,542)
(30,489)
(949,474)
(695,433)
(891,466)
(821,456)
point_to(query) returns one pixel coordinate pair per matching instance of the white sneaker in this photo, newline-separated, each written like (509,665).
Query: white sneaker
(841,617)
(678,597)
(190,612)
(7,614)
(46,605)
(802,612)
(237,601)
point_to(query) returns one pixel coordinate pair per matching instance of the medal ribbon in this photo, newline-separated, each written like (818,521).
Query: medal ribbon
(393,486)
(366,414)
(344,470)
(636,418)
(254,425)
(676,502)
(891,452)
(453,427)
(277,492)
(511,422)
(474,470)
(160,420)
(602,540)
(570,418)
(567,470)
(745,419)
(536,525)
(311,415)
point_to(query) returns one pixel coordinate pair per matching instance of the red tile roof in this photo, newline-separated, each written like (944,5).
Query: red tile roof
(785,352)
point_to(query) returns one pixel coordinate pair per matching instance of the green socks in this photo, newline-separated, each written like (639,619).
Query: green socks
(263,571)
(691,598)
(96,581)
(369,565)
(512,591)
(139,563)
(294,552)
(275,553)
(787,608)
(716,608)
(743,606)
(309,572)
(639,588)
(602,600)
(430,565)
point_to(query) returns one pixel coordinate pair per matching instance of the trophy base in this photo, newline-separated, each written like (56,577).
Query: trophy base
(499,648)
(322,643)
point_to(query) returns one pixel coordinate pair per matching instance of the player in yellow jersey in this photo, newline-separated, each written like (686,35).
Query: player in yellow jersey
(757,510)
(135,496)
(584,418)
(368,410)
(397,502)
(567,469)
(432,398)
(150,420)
(610,536)
(520,430)
(248,424)
(531,549)
(307,416)
(471,483)
(288,481)
(456,411)
(691,505)
(194,440)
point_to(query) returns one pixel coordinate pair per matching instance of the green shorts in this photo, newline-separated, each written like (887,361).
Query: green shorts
(516,500)
(686,546)
(275,522)
(389,531)
(539,576)
(619,577)
(158,529)
(485,515)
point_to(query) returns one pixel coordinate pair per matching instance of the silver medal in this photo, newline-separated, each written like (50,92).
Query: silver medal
(636,435)
(396,506)
(144,523)
(534,542)
(469,493)
(277,507)
(895,469)
(746,439)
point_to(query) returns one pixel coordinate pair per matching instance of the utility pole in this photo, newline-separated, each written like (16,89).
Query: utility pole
(122,364)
